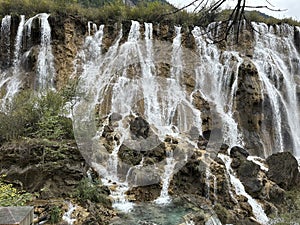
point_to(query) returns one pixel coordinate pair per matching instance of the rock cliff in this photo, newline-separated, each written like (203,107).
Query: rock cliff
(160,113)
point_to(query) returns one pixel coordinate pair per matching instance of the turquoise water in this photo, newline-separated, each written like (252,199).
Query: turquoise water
(152,214)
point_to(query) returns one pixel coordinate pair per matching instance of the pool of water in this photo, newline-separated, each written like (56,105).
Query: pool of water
(153,214)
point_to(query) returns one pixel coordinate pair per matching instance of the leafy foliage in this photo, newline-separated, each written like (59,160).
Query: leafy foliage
(116,11)
(37,117)
(55,215)
(10,196)
(89,190)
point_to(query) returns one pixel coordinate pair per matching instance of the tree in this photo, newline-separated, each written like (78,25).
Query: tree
(233,22)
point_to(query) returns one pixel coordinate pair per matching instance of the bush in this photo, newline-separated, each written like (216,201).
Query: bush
(92,191)
(37,117)
(19,118)
(10,196)
(52,123)
(55,215)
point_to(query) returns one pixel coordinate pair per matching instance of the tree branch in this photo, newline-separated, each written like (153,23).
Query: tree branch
(265,7)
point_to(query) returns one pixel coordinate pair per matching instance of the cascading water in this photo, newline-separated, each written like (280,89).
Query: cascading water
(11,78)
(218,83)
(14,82)
(125,83)
(5,43)
(45,60)
(240,190)
(164,197)
(277,61)
(150,84)
(5,37)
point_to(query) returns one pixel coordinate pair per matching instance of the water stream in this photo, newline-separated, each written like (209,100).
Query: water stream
(216,79)
(164,197)
(277,61)
(14,81)
(45,61)
(240,190)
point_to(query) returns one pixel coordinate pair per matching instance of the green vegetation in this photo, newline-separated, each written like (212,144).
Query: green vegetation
(107,11)
(291,209)
(10,196)
(36,117)
(92,191)
(55,215)
(100,10)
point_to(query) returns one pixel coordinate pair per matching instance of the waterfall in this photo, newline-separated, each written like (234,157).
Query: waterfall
(5,37)
(240,190)
(217,80)
(14,82)
(277,61)
(5,51)
(150,83)
(164,197)
(208,177)
(45,60)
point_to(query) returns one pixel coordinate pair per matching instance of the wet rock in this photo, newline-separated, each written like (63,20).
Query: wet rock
(139,127)
(115,117)
(145,193)
(155,155)
(202,143)
(204,106)
(237,152)
(49,168)
(273,193)
(224,148)
(283,169)
(249,102)
(129,156)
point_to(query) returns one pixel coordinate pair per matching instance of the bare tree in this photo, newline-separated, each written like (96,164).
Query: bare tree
(237,17)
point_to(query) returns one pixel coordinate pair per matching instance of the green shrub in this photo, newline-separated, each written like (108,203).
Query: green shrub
(52,123)
(10,196)
(19,118)
(88,190)
(55,215)
(37,117)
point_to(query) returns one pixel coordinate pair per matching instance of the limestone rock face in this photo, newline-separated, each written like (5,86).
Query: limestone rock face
(201,104)
(283,170)
(50,169)
(249,102)
(66,44)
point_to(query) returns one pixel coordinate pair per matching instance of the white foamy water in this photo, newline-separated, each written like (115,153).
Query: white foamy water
(14,81)
(216,79)
(164,197)
(257,210)
(277,62)
(45,61)
(68,215)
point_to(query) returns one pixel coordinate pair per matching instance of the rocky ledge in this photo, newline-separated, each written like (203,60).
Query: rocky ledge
(56,174)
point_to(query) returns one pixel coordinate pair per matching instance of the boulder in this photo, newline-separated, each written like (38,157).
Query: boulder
(236,152)
(283,169)
(129,156)
(139,127)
